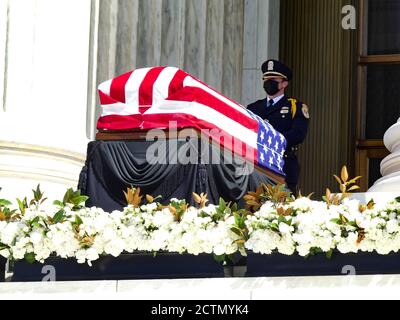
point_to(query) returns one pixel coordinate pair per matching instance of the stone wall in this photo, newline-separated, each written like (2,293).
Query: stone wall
(53,55)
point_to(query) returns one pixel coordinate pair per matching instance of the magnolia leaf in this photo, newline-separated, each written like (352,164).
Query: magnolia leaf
(219,259)
(371,204)
(353,188)
(338,179)
(353,181)
(68,195)
(237,231)
(337,221)
(59,203)
(30,258)
(344,219)
(240,242)
(344,174)
(328,194)
(78,220)
(310,195)
(59,216)
(79,199)
(329,254)
(196,197)
(149,198)
(274,227)
(281,211)
(5,203)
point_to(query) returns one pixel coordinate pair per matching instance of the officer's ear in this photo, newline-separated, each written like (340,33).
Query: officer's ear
(285,84)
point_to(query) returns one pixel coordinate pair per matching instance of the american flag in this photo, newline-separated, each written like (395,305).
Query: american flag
(157,97)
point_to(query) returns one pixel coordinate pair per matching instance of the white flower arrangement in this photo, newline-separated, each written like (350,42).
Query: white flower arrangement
(314,226)
(279,223)
(74,231)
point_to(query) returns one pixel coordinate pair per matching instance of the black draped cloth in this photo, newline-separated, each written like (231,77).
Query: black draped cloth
(113,166)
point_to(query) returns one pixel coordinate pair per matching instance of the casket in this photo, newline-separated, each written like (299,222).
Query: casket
(235,150)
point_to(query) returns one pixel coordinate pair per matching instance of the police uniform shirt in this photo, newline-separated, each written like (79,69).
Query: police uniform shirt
(287,116)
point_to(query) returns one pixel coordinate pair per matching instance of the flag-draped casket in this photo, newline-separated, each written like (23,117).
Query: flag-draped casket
(165,97)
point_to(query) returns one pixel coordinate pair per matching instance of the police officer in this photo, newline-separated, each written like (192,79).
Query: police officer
(286,115)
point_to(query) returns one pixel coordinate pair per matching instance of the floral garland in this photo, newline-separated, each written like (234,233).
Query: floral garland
(273,221)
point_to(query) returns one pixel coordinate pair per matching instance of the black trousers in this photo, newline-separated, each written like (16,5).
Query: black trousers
(292,171)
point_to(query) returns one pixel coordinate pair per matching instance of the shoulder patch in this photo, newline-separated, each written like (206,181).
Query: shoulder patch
(306,111)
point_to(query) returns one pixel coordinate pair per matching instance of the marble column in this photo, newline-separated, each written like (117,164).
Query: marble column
(390,166)
(44,51)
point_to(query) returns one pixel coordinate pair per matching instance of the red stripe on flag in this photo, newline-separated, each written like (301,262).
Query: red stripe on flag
(183,120)
(115,122)
(194,94)
(177,82)
(146,87)
(117,90)
(106,99)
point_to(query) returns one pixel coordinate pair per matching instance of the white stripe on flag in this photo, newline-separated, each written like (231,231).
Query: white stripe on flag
(210,115)
(133,85)
(119,109)
(105,87)
(191,82)
(161,85)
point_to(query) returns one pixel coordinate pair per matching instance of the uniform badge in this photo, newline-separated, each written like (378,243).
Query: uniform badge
(306,112)
(270,66)
(284,111)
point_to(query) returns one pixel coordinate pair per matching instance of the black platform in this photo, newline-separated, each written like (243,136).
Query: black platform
(175,266)
(2,268)
(125,267)
(278,265)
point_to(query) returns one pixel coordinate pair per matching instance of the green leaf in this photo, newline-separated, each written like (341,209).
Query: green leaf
(68,195)
(353,224)
(219,259)
(222,204)
(36,220)
(329,254)
(337,221)
(237,231)
(30,258)
(37,194)
(59,203)
(274,227)
(79,199)
(22,205)
(234,207)
(78,220)
(398,199)
(59,216)
(5,203)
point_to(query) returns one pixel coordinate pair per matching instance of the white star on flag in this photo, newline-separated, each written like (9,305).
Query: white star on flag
(262,136)
(269,141)
(271,161)
(262,158)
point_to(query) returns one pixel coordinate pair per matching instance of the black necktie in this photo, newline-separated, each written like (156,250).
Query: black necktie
(270,103)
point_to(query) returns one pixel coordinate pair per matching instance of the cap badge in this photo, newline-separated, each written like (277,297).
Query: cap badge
(270,66)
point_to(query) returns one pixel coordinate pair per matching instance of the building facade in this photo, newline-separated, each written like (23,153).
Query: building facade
(54,53)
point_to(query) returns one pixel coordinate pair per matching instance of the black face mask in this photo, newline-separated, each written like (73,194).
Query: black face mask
(271,87)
